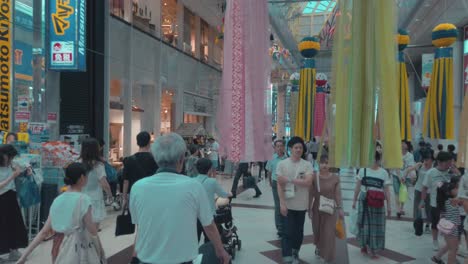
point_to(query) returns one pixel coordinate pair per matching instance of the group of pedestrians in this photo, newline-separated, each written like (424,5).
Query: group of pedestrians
(162,203)
(299,191)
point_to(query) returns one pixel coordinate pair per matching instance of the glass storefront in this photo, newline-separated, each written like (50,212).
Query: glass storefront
(154,75)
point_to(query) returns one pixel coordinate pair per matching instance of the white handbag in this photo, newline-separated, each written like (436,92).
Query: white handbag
(79,246)
(326,205)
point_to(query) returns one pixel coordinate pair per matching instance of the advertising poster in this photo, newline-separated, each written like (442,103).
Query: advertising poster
(67,35)
(22,117)
(52,118)
(427,63)
(39,132)
(6,9)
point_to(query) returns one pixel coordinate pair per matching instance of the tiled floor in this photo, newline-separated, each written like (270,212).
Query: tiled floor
(254,219)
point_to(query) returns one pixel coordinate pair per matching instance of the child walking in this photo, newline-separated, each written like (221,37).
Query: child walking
(449,208)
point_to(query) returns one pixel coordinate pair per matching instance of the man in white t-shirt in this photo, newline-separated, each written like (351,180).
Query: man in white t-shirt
(294,176)
(165,207)
(430,183)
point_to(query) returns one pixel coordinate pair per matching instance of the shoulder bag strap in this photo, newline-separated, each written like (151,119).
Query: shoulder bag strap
(318,182)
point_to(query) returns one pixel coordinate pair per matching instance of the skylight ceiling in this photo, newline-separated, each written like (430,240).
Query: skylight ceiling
(318,7)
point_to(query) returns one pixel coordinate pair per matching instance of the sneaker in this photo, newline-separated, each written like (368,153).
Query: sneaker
(435,245)
(428,229)
(14,255)
(437,260)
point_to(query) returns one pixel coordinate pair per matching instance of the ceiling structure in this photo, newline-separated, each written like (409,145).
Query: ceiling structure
(294,19)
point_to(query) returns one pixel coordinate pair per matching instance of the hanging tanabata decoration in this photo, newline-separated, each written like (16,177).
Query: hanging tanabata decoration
(364,70)
(403,40)
(243,117)
(304,126)
(320,103)
(439,112)
(293,100)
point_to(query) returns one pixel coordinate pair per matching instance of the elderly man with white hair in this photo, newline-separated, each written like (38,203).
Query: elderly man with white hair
(165,207)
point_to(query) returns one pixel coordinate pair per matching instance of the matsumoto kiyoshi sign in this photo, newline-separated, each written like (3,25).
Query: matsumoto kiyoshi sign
(67,35)
(6,9)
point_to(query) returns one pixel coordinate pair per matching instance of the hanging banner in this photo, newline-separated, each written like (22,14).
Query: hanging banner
(6,9)
(67,35)
(427,63)
(465,59)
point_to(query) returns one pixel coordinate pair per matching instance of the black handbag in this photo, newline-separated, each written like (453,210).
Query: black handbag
(124,225)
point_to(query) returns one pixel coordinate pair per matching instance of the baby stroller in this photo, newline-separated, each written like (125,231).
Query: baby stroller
(226,227)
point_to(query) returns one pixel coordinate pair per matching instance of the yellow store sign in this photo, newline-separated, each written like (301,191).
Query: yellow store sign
(5,64)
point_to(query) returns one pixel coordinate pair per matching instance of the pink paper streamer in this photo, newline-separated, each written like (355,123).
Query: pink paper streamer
(243,120)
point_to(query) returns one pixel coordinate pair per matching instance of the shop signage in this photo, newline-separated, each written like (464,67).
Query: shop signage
(39,132)
(23,56)
(52,118)
(465,59)
(67,35)
(427,63)
(22,117)
(5,64)
(23,103)
(75,129)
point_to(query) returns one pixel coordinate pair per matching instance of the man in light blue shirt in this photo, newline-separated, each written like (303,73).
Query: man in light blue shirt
(166,206)
(271,167)
(212,188)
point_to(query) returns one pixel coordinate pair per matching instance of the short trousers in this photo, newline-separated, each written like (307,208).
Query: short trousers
(435,217)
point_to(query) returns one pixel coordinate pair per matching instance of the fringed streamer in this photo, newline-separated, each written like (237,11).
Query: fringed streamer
(404,99)
(439,114)
(305,108)
(365,67)
(462,159)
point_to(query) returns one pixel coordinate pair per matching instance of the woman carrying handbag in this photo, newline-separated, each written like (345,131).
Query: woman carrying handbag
(71,218)
(325,202)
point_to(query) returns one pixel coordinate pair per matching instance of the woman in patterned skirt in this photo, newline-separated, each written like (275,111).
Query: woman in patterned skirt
(372,188)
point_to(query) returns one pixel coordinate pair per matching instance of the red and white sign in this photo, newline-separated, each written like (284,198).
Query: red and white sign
(22,117)
(37,128)
(62,53)
(52,118)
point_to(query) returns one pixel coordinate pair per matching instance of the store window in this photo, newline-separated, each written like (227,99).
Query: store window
(167,107)
(143,15)
(169,27)
(205,32)
(189,32)
(117,8)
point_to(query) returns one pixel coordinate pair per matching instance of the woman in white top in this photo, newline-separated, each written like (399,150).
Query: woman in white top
(372,189)
(97,182)
(12,229)
(61,216)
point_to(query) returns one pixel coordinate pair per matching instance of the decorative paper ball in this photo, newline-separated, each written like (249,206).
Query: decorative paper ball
(309,47)
(403,39)
(444,35)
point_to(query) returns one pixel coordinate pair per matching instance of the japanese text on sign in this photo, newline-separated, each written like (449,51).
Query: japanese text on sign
(5,65)
(60,18)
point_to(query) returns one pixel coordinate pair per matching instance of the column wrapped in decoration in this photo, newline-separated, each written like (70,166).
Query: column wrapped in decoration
(438,113)
(403,40)
(304,126)
(320,103)
(364,67)
(294,99)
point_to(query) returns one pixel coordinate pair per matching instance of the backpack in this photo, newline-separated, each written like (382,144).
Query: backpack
(111,172)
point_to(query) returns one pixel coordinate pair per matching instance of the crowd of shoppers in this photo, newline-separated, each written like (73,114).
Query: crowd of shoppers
(162,201)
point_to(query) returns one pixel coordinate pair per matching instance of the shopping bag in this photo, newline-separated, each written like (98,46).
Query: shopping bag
(124,225)
(353,222)
(340,230)
(403,195)
(27,191)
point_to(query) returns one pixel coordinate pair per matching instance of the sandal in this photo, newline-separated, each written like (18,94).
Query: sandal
(437,260)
